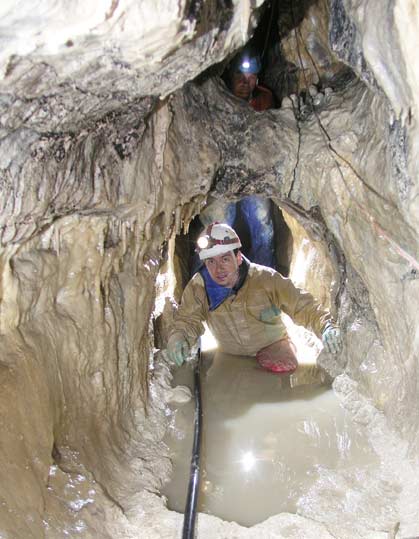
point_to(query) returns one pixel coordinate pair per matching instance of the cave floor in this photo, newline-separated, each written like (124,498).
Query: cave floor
(267,439)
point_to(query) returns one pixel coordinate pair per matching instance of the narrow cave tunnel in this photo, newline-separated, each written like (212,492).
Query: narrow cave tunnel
(185,244)
(118,127)
(265,436)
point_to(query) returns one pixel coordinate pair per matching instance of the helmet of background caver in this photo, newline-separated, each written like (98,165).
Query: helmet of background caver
(248,62)
(217,239)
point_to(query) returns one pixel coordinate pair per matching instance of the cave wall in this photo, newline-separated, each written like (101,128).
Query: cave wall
(366,172)
(77,367)
(311,267)
(363,196)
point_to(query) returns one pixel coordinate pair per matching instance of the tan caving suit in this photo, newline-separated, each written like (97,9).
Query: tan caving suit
(236,323)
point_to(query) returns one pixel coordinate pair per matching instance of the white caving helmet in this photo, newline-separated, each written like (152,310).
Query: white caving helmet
(217,239)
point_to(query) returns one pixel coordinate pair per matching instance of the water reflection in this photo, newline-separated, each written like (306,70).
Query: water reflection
(248,461)
(265,440)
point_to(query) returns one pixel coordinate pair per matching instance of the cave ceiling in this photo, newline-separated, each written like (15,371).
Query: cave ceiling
(79,87)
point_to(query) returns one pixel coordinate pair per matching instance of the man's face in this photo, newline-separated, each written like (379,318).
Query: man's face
(243,84)
(224,269)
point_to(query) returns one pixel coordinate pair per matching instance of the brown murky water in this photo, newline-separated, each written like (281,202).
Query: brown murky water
(266,439)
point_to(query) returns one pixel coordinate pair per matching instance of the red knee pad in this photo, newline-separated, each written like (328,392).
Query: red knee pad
(278,357)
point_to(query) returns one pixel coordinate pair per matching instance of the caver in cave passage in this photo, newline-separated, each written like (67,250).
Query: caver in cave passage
(256,211)
(242,302)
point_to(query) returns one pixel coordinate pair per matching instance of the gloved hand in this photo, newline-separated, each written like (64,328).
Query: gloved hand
(178,349)
(331,339)
(268,314)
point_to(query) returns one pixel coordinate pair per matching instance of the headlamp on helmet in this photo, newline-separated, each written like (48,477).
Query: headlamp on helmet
(203,242)
(217,239)
(249,64)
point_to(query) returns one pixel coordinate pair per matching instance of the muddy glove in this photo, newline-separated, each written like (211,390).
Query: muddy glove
(268,314)
(331,339)
(178,349)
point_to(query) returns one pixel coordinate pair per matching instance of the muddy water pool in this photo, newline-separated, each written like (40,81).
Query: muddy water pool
(266,439)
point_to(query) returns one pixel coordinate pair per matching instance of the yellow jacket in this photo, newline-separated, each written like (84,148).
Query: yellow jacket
(237,324)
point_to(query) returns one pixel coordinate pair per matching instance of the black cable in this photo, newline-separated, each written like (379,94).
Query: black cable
(268,33)
(193,488)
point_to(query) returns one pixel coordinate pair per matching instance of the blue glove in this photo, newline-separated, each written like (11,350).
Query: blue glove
(268,314)
(332,340)
(178,349)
